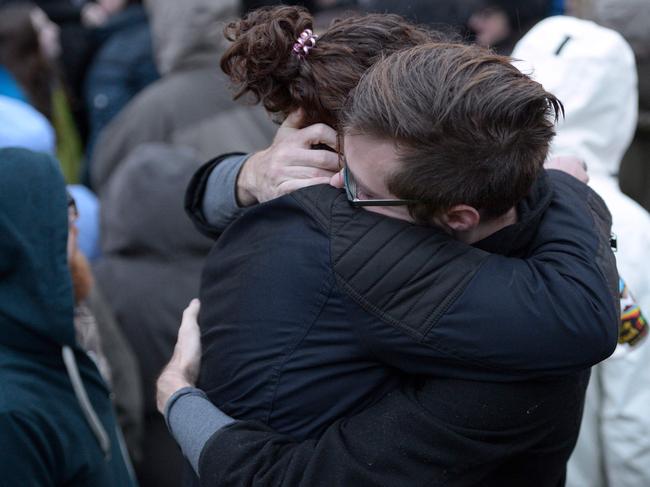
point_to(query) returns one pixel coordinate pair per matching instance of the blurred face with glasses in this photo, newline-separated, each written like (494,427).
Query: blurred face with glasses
(73,214)
(365,164)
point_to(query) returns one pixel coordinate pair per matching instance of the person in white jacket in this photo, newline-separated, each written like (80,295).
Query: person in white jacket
(591,69)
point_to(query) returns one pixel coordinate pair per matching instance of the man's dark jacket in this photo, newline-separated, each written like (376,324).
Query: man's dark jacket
(500,340)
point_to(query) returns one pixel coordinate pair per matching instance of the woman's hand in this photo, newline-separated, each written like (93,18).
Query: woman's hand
(289,163)
(183,368)
(573,165)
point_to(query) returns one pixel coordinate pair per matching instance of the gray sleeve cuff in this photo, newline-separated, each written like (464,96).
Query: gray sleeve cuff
(192,419)
(219,200)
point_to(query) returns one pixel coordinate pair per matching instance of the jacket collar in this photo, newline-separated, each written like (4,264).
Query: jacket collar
(515,239)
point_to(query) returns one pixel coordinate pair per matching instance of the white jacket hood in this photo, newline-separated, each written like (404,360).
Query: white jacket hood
(592,70)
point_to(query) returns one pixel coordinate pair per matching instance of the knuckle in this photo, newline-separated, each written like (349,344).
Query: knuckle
(320,131)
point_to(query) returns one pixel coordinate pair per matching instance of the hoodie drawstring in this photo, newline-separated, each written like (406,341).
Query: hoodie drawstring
(89,412)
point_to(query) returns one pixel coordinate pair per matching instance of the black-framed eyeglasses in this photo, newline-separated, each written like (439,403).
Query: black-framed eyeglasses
(73,213)
(351,188)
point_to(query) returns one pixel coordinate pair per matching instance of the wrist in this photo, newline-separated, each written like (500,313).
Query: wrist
(246,191)
(169,382)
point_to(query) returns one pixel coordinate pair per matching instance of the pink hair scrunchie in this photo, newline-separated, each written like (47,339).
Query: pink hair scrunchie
(304,43)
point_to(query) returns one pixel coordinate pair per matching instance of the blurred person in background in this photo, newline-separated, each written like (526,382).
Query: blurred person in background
(29,49)
(88,221)
(494,23)
(631,18)
(151,260)
(499,24)
(248,5)
(122,65)
(21,125)
(35,112)
(450,16)
(97,333)
(190,105)
(592,70)
(77,19)
(57,423)
(74,17)
(150,268)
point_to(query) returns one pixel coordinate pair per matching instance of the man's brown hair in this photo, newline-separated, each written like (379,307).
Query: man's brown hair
(469,127)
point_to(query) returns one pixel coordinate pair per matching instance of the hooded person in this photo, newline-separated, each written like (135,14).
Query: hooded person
(592,70)
(22,126)
(56,418)
(631,18)
(150,267)
(191,105)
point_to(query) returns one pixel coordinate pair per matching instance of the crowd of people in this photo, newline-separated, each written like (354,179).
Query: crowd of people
(411,236)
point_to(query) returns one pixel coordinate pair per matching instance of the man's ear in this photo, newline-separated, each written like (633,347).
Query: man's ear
(461,218)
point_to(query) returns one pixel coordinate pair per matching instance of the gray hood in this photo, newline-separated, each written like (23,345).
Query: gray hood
(142,213)
(188,34)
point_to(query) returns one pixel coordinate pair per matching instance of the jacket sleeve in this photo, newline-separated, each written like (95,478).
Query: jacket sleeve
(25,456)
(202,186)
(441,432)
(553,312)
(251,453)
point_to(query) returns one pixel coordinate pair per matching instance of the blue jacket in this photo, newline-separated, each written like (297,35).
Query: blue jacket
(122,66)
(57,425)
(312,309)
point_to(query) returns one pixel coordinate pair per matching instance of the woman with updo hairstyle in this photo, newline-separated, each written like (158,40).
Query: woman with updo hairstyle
(261,60)
(276,60)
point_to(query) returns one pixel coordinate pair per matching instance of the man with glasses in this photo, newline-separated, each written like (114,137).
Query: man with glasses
(314,309)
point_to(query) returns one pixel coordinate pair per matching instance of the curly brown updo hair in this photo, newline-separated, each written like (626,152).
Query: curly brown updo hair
(261,62)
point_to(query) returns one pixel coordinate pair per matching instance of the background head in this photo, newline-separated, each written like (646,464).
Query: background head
(188,34)
(260,60)
(35,289)
(466,127)
(28,42)
(114,6)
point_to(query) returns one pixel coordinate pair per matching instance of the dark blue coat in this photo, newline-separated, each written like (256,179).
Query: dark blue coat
(122,66)
(46,437)
(313,309)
